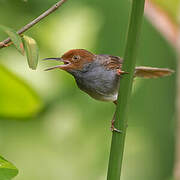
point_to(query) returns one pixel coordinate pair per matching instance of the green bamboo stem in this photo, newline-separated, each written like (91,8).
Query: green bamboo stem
(118,139)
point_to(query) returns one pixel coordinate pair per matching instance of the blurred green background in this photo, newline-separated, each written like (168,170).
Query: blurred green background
(50,129)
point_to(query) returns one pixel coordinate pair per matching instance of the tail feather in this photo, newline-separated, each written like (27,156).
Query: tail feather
(152,72)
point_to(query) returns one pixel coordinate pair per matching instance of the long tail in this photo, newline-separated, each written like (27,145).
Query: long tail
(151,72)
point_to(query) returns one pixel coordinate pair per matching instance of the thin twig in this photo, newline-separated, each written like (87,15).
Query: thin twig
(35,21)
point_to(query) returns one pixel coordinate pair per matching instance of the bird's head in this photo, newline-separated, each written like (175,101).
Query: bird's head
(74,59)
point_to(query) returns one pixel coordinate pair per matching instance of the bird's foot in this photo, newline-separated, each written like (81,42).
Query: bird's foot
(120,72)
(3,44)
(113,128)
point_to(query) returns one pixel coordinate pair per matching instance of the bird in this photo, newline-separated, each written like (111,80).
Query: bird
(99,75)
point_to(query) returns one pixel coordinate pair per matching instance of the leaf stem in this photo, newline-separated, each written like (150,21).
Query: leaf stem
(118,139)
(35,21)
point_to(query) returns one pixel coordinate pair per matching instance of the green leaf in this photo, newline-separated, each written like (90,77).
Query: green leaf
(15,38)
(17,99)
(31,49)
(7,169)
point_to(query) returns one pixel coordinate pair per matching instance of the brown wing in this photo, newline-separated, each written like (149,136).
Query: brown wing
(113,62)
(151,72)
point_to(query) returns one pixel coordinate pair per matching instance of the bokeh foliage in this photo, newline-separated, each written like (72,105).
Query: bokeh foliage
(171,7)
(7,170)
(18,100)
(69,138)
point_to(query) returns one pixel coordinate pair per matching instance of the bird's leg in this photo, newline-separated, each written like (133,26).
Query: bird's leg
(120,72)
(113,128)
(112,122)
(115,102)
(3,44)
(112,125)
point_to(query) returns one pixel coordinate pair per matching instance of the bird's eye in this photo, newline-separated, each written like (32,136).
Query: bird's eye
(75,58)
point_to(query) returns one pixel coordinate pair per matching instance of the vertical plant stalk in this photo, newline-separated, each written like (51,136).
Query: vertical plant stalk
(118,139)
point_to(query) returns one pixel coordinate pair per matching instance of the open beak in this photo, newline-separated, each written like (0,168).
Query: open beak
(62,66)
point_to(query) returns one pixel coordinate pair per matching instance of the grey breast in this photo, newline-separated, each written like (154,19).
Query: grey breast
(98,82)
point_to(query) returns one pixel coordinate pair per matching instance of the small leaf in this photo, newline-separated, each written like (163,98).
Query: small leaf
(7,169)
(31,49)
(15,38)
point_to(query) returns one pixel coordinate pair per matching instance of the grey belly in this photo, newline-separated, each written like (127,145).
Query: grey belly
(101,86)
